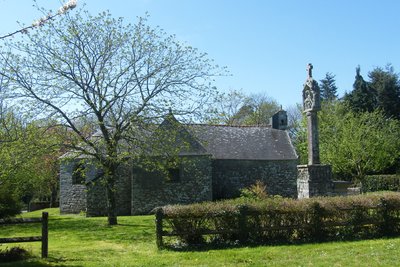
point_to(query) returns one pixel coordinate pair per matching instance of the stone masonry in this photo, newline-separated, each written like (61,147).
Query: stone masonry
(229,176)
(96,194)
(152,189)
(312,180)
(72,196)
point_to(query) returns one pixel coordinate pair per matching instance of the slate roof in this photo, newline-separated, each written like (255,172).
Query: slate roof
(245,142)
(231,142)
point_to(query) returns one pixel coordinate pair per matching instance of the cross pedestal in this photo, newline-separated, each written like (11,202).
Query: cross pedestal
(314,180)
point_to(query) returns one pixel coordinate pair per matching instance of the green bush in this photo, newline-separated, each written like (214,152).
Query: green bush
(9,204)
(255,191)
(13,254)
(282,220)
(373,183)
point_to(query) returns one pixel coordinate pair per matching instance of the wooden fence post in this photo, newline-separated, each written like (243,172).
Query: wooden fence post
(159,227)
(45,234)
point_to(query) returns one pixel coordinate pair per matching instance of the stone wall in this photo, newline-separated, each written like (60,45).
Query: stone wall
(153,189)
(314,180)
(72,196)
(91,197)
(229,176)
(200,179)
(340,188)
(96,193)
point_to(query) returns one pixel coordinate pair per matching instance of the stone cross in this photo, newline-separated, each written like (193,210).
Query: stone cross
(311,104)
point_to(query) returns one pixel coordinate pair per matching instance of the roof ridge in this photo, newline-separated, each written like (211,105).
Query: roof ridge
(231,126)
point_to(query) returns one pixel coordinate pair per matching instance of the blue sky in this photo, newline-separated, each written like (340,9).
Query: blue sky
(265,44)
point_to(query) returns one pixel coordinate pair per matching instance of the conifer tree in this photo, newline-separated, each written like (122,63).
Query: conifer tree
(328,87)
(363,98)
(387,86)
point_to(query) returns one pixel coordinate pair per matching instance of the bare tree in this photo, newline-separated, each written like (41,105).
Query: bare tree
(236,108)
(226,106)
(295,116)
(257,110)
(123,77)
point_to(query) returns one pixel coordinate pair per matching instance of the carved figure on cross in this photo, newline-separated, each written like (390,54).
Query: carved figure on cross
(309,69)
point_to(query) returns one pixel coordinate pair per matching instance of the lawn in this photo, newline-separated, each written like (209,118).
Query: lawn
(75,240)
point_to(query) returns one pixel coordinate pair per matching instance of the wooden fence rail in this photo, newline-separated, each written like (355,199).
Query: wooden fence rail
(44,238)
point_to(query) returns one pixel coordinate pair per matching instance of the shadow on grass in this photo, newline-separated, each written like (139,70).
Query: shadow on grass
(96,228)
(34,262)
(222,246)
(219,246)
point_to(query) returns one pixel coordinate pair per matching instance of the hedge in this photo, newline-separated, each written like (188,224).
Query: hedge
(280,220)
(373,183)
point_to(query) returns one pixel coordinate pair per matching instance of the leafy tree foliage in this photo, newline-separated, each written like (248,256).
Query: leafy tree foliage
(29,155)
(357,144)
(358,135)
(363,97)
(124,77)
(10,204)
(354,143)
(387,86)
(328,88)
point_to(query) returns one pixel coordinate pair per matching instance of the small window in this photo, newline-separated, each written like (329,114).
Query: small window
(78,174)
(173,175)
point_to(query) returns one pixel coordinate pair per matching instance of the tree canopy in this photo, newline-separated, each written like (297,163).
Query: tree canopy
(29,153)
(354,143)
(257,110)
(357,144)
(382,91)
(237,108)
(226,106)
(386,84)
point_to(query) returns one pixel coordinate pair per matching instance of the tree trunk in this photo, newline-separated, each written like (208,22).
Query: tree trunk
(110,170)
(111,204)
(54,192)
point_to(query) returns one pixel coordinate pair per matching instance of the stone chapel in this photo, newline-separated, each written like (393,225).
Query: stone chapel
(220,161)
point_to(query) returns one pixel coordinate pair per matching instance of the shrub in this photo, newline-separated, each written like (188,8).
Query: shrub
(255,191)
(13,254)
(9,204)
(373,183)
(282,220)
(388,213)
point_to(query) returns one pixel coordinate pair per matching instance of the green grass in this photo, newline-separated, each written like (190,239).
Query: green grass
(78,241)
